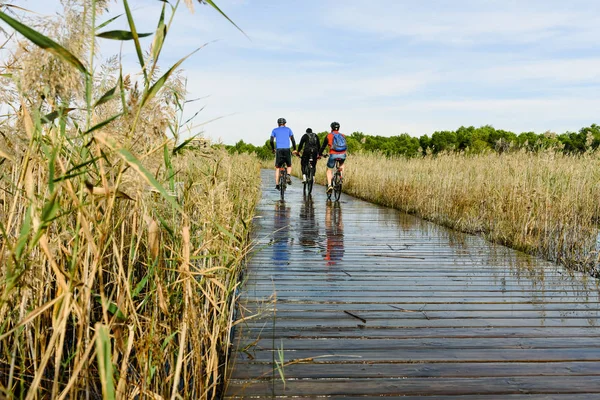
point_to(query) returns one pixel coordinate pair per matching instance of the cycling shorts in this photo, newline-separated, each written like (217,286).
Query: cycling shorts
(283,157)
(333,157)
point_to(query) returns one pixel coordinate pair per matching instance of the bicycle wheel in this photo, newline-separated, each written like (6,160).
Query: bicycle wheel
(282,183)
(310,178)
(337,186)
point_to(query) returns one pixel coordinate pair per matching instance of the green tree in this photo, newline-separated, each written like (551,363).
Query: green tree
(443,141)
(424,143)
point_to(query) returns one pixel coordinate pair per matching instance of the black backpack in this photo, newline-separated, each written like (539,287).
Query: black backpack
(313,141)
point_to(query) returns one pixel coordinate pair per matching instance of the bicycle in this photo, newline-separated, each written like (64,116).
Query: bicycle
(283,176)
(336,182)
(310,176)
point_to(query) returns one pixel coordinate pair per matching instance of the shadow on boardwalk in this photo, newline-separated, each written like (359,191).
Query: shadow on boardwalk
(365,301)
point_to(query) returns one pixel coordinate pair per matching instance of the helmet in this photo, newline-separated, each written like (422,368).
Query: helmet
(335,126)
(281,121)
(308,130)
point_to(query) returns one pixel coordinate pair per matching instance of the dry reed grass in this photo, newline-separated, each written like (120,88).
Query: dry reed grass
(545,203)
(119,250)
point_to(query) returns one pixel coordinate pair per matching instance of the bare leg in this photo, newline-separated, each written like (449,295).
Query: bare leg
(276,176)
(289,169)
(329,176)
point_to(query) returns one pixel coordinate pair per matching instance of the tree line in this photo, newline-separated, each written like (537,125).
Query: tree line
(469,140)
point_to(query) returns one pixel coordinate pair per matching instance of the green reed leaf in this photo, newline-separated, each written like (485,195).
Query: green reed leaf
(105,367)
(149,95)
(159,36)
(108,96)
(121,35)
(51,169)
(226,232)
(140,286)
(122,88)
(165,225)
(212,3)
(169,167)
(167,340)
(136,40)
(44,42)
(55,114)
(50,210)
(68,176)
(116,311)
(103,123)
(182,145)
(23,234)
(102,25)
(136,164)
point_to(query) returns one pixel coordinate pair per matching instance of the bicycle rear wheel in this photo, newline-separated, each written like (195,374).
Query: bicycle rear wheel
(337,186)
(310,178)
(282,184)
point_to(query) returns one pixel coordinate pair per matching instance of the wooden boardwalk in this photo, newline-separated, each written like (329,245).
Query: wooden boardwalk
(357,300)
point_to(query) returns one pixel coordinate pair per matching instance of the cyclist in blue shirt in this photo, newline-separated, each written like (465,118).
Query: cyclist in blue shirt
(282,135)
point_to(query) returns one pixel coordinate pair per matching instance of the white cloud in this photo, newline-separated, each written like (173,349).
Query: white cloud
(472,22)
(572,70)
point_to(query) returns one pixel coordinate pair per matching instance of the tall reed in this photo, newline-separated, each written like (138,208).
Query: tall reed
(120,247)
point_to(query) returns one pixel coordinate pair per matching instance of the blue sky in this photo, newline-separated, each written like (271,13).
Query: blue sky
(383,66)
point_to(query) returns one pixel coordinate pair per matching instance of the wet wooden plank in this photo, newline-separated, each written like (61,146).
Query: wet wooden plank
(423,355)
(411,307)
(494,295)
(393,313)
(407,299)
(426,284)
(382,287)
(325,332)
(570,396)
(419,299)
(420,386)
(362,301)
(261,371)
(343,322)
(348,344)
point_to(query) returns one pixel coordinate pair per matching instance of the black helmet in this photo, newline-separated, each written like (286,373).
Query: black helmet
(335,126)
(281,121)
(308,130)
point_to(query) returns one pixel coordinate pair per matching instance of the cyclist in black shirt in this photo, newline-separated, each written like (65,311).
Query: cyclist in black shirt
(311,145)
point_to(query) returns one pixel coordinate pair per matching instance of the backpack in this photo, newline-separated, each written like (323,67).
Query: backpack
(339,142)
(312,141)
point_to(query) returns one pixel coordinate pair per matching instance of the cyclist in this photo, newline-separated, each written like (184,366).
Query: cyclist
(337,151)
(282,136)
(311,145)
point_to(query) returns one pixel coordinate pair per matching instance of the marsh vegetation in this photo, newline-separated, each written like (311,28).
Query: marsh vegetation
(120,242)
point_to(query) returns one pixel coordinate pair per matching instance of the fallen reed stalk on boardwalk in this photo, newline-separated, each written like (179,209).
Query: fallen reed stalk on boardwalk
(120,248)
(544,203)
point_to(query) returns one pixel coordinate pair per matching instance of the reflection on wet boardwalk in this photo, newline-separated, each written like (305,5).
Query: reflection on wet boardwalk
(357,300)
